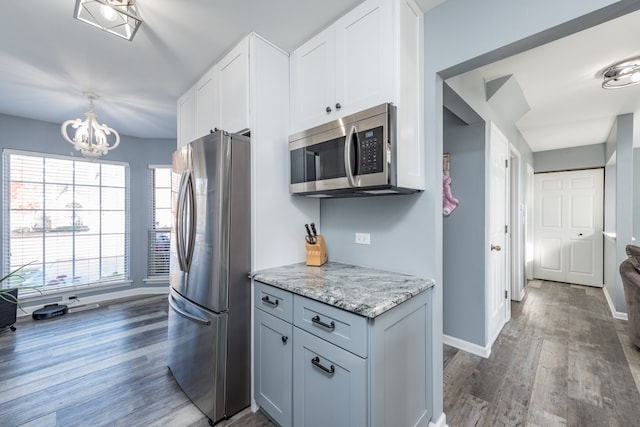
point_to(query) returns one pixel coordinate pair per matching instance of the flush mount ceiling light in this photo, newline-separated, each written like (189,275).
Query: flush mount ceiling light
(622,74)
(119,17)
(91,138)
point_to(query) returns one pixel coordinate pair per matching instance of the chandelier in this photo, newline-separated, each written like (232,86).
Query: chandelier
(91,138)
(119,17)
(622,74)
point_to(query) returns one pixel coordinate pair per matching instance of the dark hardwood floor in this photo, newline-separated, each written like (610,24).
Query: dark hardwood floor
(561,360)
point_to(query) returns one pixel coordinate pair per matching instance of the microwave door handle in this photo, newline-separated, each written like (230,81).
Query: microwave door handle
(347,155)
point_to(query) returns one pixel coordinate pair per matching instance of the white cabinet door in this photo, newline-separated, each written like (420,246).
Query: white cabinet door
(187,119)
(233,88)
(313,82)
(207,109)
(364,57)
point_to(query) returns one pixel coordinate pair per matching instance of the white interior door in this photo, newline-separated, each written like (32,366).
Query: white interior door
(497,307)
(568,226)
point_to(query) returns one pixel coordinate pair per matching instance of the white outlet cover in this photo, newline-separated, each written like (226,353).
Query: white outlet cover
(363,238)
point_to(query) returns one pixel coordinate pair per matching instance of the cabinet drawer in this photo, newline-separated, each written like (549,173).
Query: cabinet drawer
(344,329)
(274,301)
(329,384)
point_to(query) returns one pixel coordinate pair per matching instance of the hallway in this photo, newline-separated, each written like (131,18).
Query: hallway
(561,360)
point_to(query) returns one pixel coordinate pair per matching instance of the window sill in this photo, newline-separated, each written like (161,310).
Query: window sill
(156,280)
(63,290)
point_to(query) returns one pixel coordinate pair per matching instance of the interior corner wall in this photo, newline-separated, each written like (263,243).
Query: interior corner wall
(44,137)
(463,232)
(624,200)
(583,157)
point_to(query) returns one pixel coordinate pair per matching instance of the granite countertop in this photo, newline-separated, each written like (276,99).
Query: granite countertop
(364,291)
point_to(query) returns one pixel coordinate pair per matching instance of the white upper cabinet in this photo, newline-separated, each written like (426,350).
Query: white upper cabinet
(187,119)
(313,79)
(220,99)
(207,108)
(363,44)
(354,64)
(233,92)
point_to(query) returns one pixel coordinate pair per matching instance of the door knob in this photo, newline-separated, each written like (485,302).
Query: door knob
(328,110)
(338,106)
(579,234)
(496,248)
(284,339)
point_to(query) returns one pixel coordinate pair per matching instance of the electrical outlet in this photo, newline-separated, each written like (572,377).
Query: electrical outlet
(363,238)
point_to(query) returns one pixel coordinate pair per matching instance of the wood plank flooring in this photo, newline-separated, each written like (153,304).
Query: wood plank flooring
(101,367)
(562,360)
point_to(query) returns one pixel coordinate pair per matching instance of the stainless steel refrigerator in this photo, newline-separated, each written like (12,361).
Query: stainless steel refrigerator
(210,293)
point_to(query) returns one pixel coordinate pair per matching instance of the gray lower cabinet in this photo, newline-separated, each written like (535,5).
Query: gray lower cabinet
(273,360)
(329,384)
(337,368)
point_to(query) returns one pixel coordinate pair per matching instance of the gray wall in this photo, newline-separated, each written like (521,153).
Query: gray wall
(636,195)
(461,35)
(584,157)
(463,273)
(44,137)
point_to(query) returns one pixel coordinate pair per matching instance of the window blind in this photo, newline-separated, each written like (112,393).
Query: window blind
(66,219)
(160,222)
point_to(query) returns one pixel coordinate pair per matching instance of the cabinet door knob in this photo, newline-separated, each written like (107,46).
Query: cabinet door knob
(338,106)
(496,248)
(284,339)
(328,109)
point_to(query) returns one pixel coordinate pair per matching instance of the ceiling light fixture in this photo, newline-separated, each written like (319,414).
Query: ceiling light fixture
(622,74)
(119,17)
(90,137)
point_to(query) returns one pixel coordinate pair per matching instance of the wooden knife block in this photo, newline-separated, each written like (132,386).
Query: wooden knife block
(317,253)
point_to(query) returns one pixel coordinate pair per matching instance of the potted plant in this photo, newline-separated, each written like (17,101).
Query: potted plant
(9,302)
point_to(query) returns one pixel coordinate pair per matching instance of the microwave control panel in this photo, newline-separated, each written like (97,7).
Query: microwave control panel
(370,151)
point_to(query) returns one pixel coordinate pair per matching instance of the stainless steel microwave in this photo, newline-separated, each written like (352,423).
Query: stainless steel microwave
(351,156)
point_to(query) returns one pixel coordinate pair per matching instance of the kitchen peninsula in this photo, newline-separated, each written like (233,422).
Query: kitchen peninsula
(343,345)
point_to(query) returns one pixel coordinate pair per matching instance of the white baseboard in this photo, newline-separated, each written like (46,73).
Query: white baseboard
(441,422)
(616,314)
(467,346)
(103,297)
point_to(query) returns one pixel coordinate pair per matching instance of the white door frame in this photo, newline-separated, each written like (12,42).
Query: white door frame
(529,221)
(516,227)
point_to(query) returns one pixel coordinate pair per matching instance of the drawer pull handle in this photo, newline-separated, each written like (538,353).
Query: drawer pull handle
(316,362)
(284,339)
(316,321)
(266,300)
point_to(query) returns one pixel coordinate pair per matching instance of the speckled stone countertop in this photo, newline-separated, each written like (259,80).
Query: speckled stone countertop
(364,291)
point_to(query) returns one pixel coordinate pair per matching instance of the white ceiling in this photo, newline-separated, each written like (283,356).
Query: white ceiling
(561,82)
(48,58)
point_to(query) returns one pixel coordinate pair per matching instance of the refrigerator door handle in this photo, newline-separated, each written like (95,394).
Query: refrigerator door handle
(191,232)
(189,316)
(180,222)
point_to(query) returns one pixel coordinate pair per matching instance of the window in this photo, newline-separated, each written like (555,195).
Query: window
(67,218)
(160,230)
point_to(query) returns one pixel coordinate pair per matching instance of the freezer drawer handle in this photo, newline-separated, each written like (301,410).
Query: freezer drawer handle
(316,362)
(316,321)
(187,315)
(266,300)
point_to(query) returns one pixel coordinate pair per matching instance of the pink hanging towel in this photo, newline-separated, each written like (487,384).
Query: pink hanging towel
(449,202)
